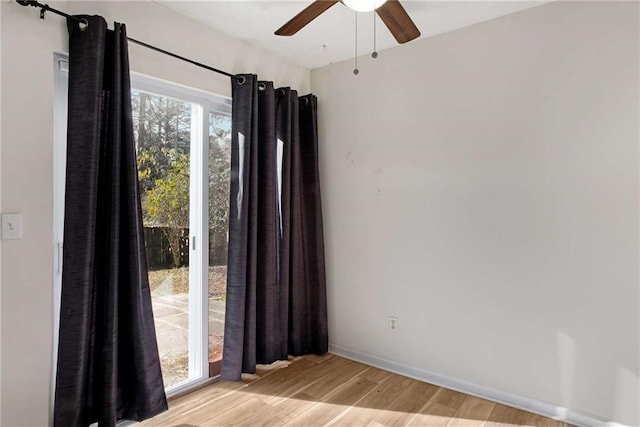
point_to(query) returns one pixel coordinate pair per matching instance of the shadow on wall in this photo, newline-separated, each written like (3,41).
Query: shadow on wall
(566,367)
(626,397)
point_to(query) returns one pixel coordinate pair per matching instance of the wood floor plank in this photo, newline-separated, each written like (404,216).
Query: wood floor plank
(375,404)
(449,398)
(334,403)
(473,411)
(242,414)
(401,410)
(334,379)
(439,409)
(376,375)
(284,412)
(540,421)
(218,407)
(323,380)
(286,381)
(331,390)
(194,402)
(505,415)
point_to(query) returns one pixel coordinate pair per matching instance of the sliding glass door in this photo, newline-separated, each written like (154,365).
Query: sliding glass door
(219,173)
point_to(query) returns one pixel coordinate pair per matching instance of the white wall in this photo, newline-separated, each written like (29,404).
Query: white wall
(27,129)
(482,186)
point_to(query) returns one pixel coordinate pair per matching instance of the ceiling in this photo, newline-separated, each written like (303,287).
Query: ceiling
(331,37)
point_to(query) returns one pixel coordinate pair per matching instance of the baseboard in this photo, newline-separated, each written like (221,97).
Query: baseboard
(541,408)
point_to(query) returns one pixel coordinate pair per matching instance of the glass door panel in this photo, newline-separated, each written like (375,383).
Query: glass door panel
(163,127)
(219,172)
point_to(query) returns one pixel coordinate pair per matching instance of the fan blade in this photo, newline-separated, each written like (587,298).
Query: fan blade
(310,13)
(398,21)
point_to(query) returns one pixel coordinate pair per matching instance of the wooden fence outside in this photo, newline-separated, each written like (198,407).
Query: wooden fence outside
(159,255)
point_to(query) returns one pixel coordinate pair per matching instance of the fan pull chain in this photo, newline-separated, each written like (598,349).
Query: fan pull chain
(374,54)
(355,70)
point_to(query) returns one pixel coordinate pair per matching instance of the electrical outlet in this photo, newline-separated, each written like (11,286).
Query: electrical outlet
(393,323)
(11,226)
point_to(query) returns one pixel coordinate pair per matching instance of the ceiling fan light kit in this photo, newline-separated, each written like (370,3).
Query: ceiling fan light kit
(363,5)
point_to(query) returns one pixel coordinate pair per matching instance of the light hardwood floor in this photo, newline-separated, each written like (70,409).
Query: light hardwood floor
(330,390)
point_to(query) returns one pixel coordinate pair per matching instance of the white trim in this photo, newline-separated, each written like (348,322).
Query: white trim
(203,244)
(520,402)
(187,386)
(60,89)
(209,101)
(196,312)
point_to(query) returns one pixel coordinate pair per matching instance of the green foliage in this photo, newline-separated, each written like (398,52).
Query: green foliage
(167,203)
(219,173)
(163,131)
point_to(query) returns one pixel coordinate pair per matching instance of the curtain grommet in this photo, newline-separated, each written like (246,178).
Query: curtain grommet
(83,24)
(241,80)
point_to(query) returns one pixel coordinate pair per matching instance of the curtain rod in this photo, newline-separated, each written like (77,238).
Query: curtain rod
(46,8)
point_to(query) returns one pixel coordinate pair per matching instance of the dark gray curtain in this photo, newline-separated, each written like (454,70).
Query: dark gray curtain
(108,365)
(276,292)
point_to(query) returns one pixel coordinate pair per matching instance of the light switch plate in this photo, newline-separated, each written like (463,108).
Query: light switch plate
(11,226)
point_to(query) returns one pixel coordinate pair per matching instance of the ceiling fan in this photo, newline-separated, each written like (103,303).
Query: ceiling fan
(394,16)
